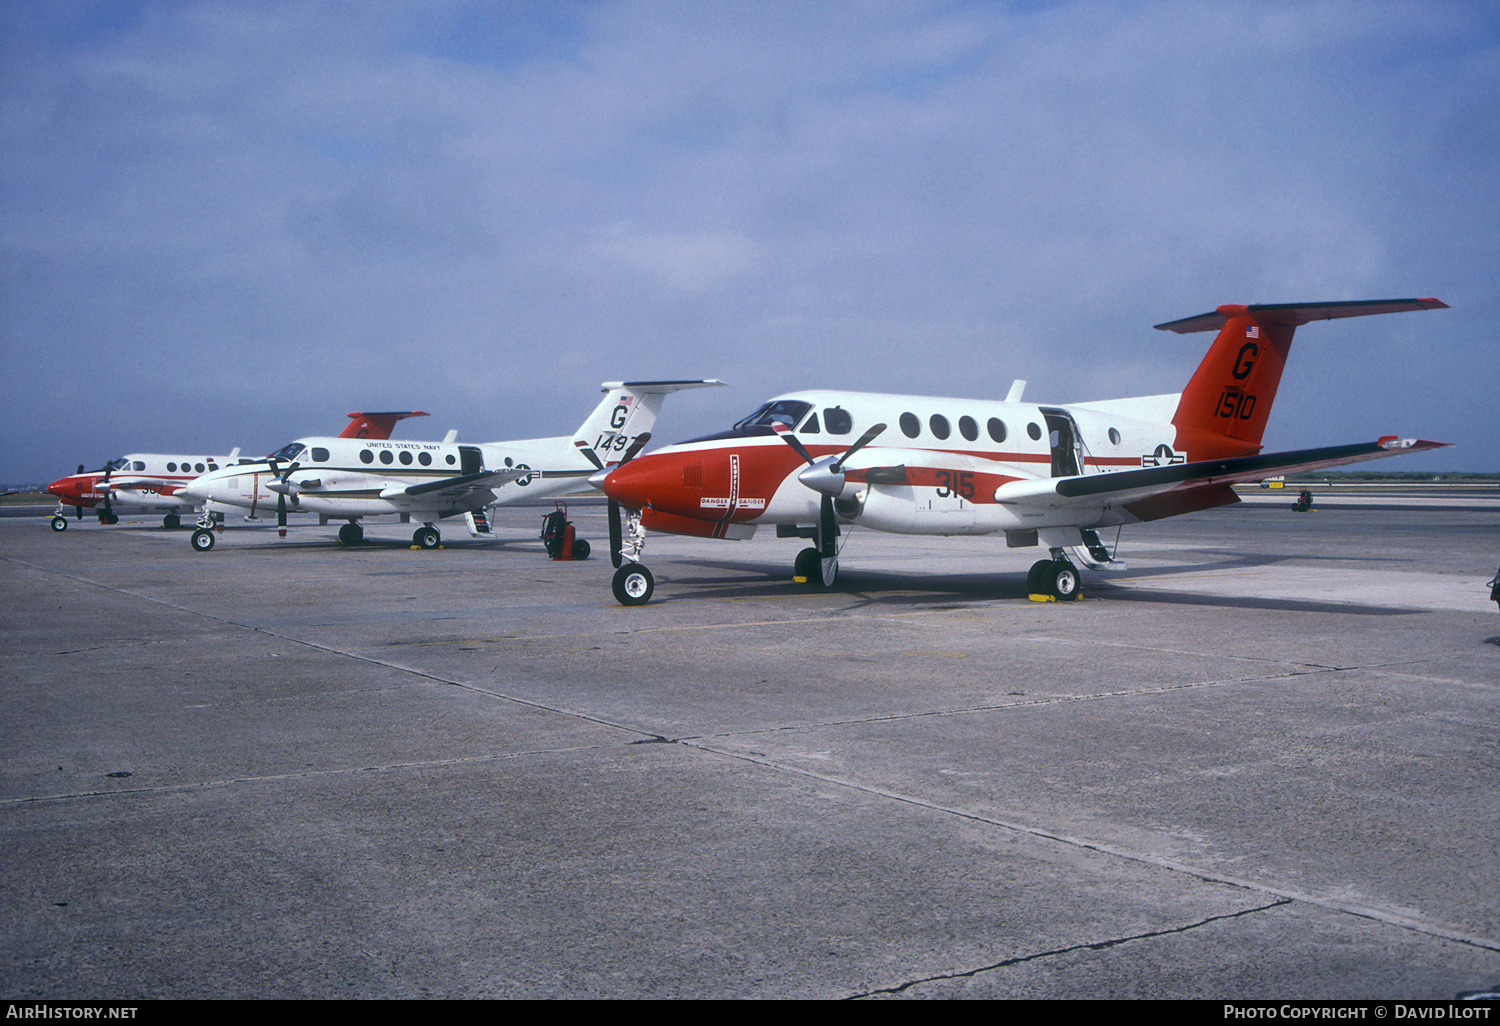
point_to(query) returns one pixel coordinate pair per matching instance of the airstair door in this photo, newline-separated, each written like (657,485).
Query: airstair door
(1062,436)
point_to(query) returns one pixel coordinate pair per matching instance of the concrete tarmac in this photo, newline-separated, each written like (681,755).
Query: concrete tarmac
(1262,763)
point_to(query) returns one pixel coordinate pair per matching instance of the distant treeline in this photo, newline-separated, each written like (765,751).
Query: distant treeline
(1396,476)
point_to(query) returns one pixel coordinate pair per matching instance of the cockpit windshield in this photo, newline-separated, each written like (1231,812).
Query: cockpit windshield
(119,464)
(782,411)
(288,452)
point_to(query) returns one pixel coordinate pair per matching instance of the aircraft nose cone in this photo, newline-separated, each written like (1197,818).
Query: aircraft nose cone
(629,485)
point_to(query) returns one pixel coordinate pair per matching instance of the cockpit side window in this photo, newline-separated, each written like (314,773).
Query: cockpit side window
(837,420)
(290,451)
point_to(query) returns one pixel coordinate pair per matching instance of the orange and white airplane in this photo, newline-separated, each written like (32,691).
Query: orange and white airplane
(1051,475)
(150,481)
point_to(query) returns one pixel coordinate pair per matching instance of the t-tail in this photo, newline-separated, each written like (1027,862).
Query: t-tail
(627,412)
(1223,410)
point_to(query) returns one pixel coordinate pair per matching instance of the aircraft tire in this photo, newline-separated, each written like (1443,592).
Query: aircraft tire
(171,521)
(633,585)
(581,548)
(203,540)
(1036,578)
(1063,581)
(59,523)
(427,538)
(807,569)
(351,534)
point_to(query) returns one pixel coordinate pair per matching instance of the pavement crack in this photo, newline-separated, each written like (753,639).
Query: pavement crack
(1071,949)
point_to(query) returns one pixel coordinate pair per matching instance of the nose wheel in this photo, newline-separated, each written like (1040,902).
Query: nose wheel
(59,523)
(633,585)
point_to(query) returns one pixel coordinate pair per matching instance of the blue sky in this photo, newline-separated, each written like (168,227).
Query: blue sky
(231,223)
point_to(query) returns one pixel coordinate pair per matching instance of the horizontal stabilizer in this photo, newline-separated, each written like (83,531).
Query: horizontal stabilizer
(660,387)
(1293,314)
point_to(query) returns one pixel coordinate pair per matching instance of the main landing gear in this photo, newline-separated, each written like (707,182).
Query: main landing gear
(426,537)
(351,533)
(1053,580)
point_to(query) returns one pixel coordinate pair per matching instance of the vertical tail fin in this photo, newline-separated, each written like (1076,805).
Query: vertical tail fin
(1223,409)
(628,410)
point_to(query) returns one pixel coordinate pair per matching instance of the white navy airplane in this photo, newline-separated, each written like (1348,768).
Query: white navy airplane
(350,478)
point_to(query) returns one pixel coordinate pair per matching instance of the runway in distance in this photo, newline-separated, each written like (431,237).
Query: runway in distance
(1049,475)
(152,481)
(348,479)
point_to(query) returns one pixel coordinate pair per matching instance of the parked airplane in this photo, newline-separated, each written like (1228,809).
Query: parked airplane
(1048,475)
(348,479)
(152,481)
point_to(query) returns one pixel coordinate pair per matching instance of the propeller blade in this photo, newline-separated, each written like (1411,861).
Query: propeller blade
(280,509)
(864,440)
(784,431)
(616,534)
(635,447)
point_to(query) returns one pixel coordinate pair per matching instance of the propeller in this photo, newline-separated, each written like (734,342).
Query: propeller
(109,510)
(825,476)
(281,487)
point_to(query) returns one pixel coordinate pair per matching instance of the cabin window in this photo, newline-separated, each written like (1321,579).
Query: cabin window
(319,455)
(1114,436)
(968,428)
(939,425)
(811,427)
(838,421)
(366,456)
(1035,431)
(450,459)
(911,427)
(171,468)
(212,465)
(386,457)
(405,458)
(138,465)
(996,428)
(198,467)
(424,458)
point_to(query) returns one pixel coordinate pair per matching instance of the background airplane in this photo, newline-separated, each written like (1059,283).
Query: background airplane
(151,482)
(347,479)
(1045,475)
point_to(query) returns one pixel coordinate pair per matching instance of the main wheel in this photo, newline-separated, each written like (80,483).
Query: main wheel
(1036,577)
(351,534)
(581,548)
(1063,582)
(633,585)
(427,538)
(807,569)
(59,523)
(203,540)
(171,522)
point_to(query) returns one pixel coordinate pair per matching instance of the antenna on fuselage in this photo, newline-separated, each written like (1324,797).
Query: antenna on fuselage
(1016,388)
(451,436)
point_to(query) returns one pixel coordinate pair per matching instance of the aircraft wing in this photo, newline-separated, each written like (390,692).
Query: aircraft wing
(1155,492)
(453,487)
